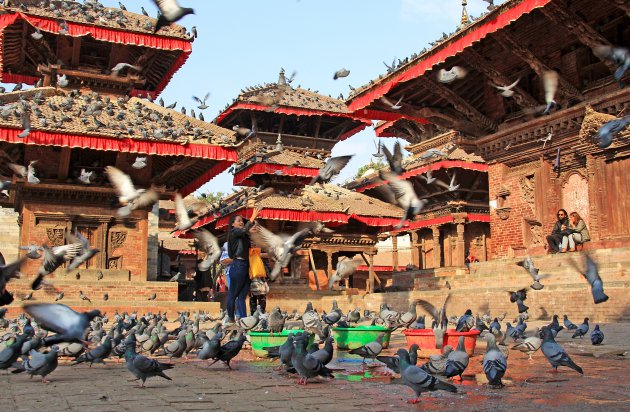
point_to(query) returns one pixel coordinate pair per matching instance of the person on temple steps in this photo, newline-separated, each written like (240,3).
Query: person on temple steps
(554,240)
(238,250)
(576,233)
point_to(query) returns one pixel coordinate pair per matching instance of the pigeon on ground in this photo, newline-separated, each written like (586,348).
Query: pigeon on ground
(128,196)
(211,347)
(170,12)
(407,318)
(284,352)
(466,322)
(554,353)
(457,361)
(582,330)
(209,244)
(494,363)
(333,166)
(140,366)
(68,325)
(609,130)
(419,380)
(341,73)
(41,364)
(568,324)
(528,265)
(345,268)
(394,160)
(597,336)
(592,276)
(529,345)
(370,350)
(555,325)
(10,354)
(307,365)
(229,351)
(401,192)
(98,354)
(495,324)
(436,365)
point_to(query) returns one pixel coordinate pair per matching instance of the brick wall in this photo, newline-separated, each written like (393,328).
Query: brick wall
(9,234)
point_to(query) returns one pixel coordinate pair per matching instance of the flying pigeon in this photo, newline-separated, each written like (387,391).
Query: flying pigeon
(128,196)
(440,319)
(618,55)
(25,172)
(394,160)
(84,255)
(449,76)
(10,271)
(507,91)
(53,258)
(209,244)
(528,265)
(393,106)
(170,12)
(202,102)
(550,84)
(403,193)
(140,162)
(451,186)
(85,177)
(33,251)
(332,167)
(345,268)
(609,130)
(428,177)
(592,276)
(121,66)
(68,325)
(341,73)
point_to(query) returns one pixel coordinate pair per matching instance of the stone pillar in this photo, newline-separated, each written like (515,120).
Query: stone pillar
(415,252)
(437,248)
(395,253)
(370,285)
(9,234)
(460,252)
(153,243)
(329,267)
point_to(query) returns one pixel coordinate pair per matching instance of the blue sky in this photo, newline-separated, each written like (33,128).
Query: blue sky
(245,42)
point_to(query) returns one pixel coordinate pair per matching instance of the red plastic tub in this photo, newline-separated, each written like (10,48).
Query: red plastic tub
(425,340)
(451,337)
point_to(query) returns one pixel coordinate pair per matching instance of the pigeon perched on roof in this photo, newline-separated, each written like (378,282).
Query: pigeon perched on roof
(418,379)
(68,325)
(554,353)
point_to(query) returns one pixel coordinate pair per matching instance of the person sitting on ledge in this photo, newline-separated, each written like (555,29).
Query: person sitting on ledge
(555,238)
(470,258)
(576,233)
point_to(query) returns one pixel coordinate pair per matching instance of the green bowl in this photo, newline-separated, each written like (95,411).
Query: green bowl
(260,340)
(352,338)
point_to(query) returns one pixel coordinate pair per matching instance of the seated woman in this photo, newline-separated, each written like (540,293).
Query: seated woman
(576,233)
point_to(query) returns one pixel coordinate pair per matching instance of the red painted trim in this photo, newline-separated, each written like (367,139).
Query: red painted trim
(373,114)
(205,178)
(376,221)
(270,168)
(18,78)
(381,268)
(440,54)
(476,217)
(444,164)
(41,138)
(471,217)
(286,110)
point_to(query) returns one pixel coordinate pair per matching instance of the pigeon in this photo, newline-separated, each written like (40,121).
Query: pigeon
(436,365)
(528,265)
(345,268)
(184,222)
(466,322)
(597,336)
(406,319)
(284,352)
(582,330)
(428,177)
(333,166)
(529,345)
(202,102)
(244,132)
(433,153)
(370,350)
(84,296)
(402,192)
(449,76)
(392,362)
(440,320)
(121,66)
(393,106)
(140,162)
(554,352)
(33,251)
(153,297)
(26,124)
(618,55)
(280,249)
(140,366)
(68,325)
(210,348)
(592,276)
(325,354)
(394,160)
(10,271)
(247,323)
(507,91)
(41,364)
(128,196)
(609,130)
(98,354)
(457,361)
(10,354)
(53,258)
(494,362)
(307,365)
(170,12)
(229,351)
(37,34)
(550,84)
(209,244)
(276,321)
(568,324)
(62,81)
(85,177)
(59,296)
(341,73)
(419,380)
(25,172)
(451,186)
(84,255)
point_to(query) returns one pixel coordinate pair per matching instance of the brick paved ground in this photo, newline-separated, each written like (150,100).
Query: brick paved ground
(254,386)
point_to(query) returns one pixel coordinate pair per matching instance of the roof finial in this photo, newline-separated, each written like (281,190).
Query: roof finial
(282,81)
(465,19)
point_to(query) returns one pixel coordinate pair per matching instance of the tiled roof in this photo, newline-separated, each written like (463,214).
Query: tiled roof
(457,154)
(291,158)
(175,243)
(94,14)
(286,96)
(88,113)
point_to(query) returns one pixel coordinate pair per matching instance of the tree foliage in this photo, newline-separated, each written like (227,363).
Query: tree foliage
(211,197)
(378,165)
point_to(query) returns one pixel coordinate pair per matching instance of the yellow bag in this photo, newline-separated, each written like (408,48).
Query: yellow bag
(256,265)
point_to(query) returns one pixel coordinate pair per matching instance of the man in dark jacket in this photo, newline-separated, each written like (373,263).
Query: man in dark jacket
(555,238)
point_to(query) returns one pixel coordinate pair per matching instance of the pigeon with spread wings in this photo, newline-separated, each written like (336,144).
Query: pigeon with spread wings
(84,255)
(402,192)
(68,325)
(395,159)
(129,197)
(53,258)
(333,166)
(209,244)
(280,248)
(170,12)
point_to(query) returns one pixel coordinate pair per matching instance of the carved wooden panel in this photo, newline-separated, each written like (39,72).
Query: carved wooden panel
(575,196)
(528,191)
(56,235)
(532,233)
(116,240)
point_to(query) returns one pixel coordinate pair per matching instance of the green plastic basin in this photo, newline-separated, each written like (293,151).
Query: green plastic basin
(352,338)
(260,340)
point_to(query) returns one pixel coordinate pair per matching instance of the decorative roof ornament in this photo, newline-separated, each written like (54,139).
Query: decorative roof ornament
(279,145)
(465,18)
(282,80)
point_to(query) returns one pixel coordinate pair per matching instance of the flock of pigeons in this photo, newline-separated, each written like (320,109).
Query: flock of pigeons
(84,338)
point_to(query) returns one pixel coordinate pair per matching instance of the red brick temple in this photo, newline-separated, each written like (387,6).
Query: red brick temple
(98,119)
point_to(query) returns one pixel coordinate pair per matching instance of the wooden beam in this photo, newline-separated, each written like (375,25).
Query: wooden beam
(312,260)
(76,51)
(444,117)
(561,15)
(169,173)
(622,5)
(479,63)
(475,185)
(458,102)
(523,53)
(64,163)
(318,125)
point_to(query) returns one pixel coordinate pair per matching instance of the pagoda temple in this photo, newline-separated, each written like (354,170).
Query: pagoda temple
(83,117)
(289,132)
